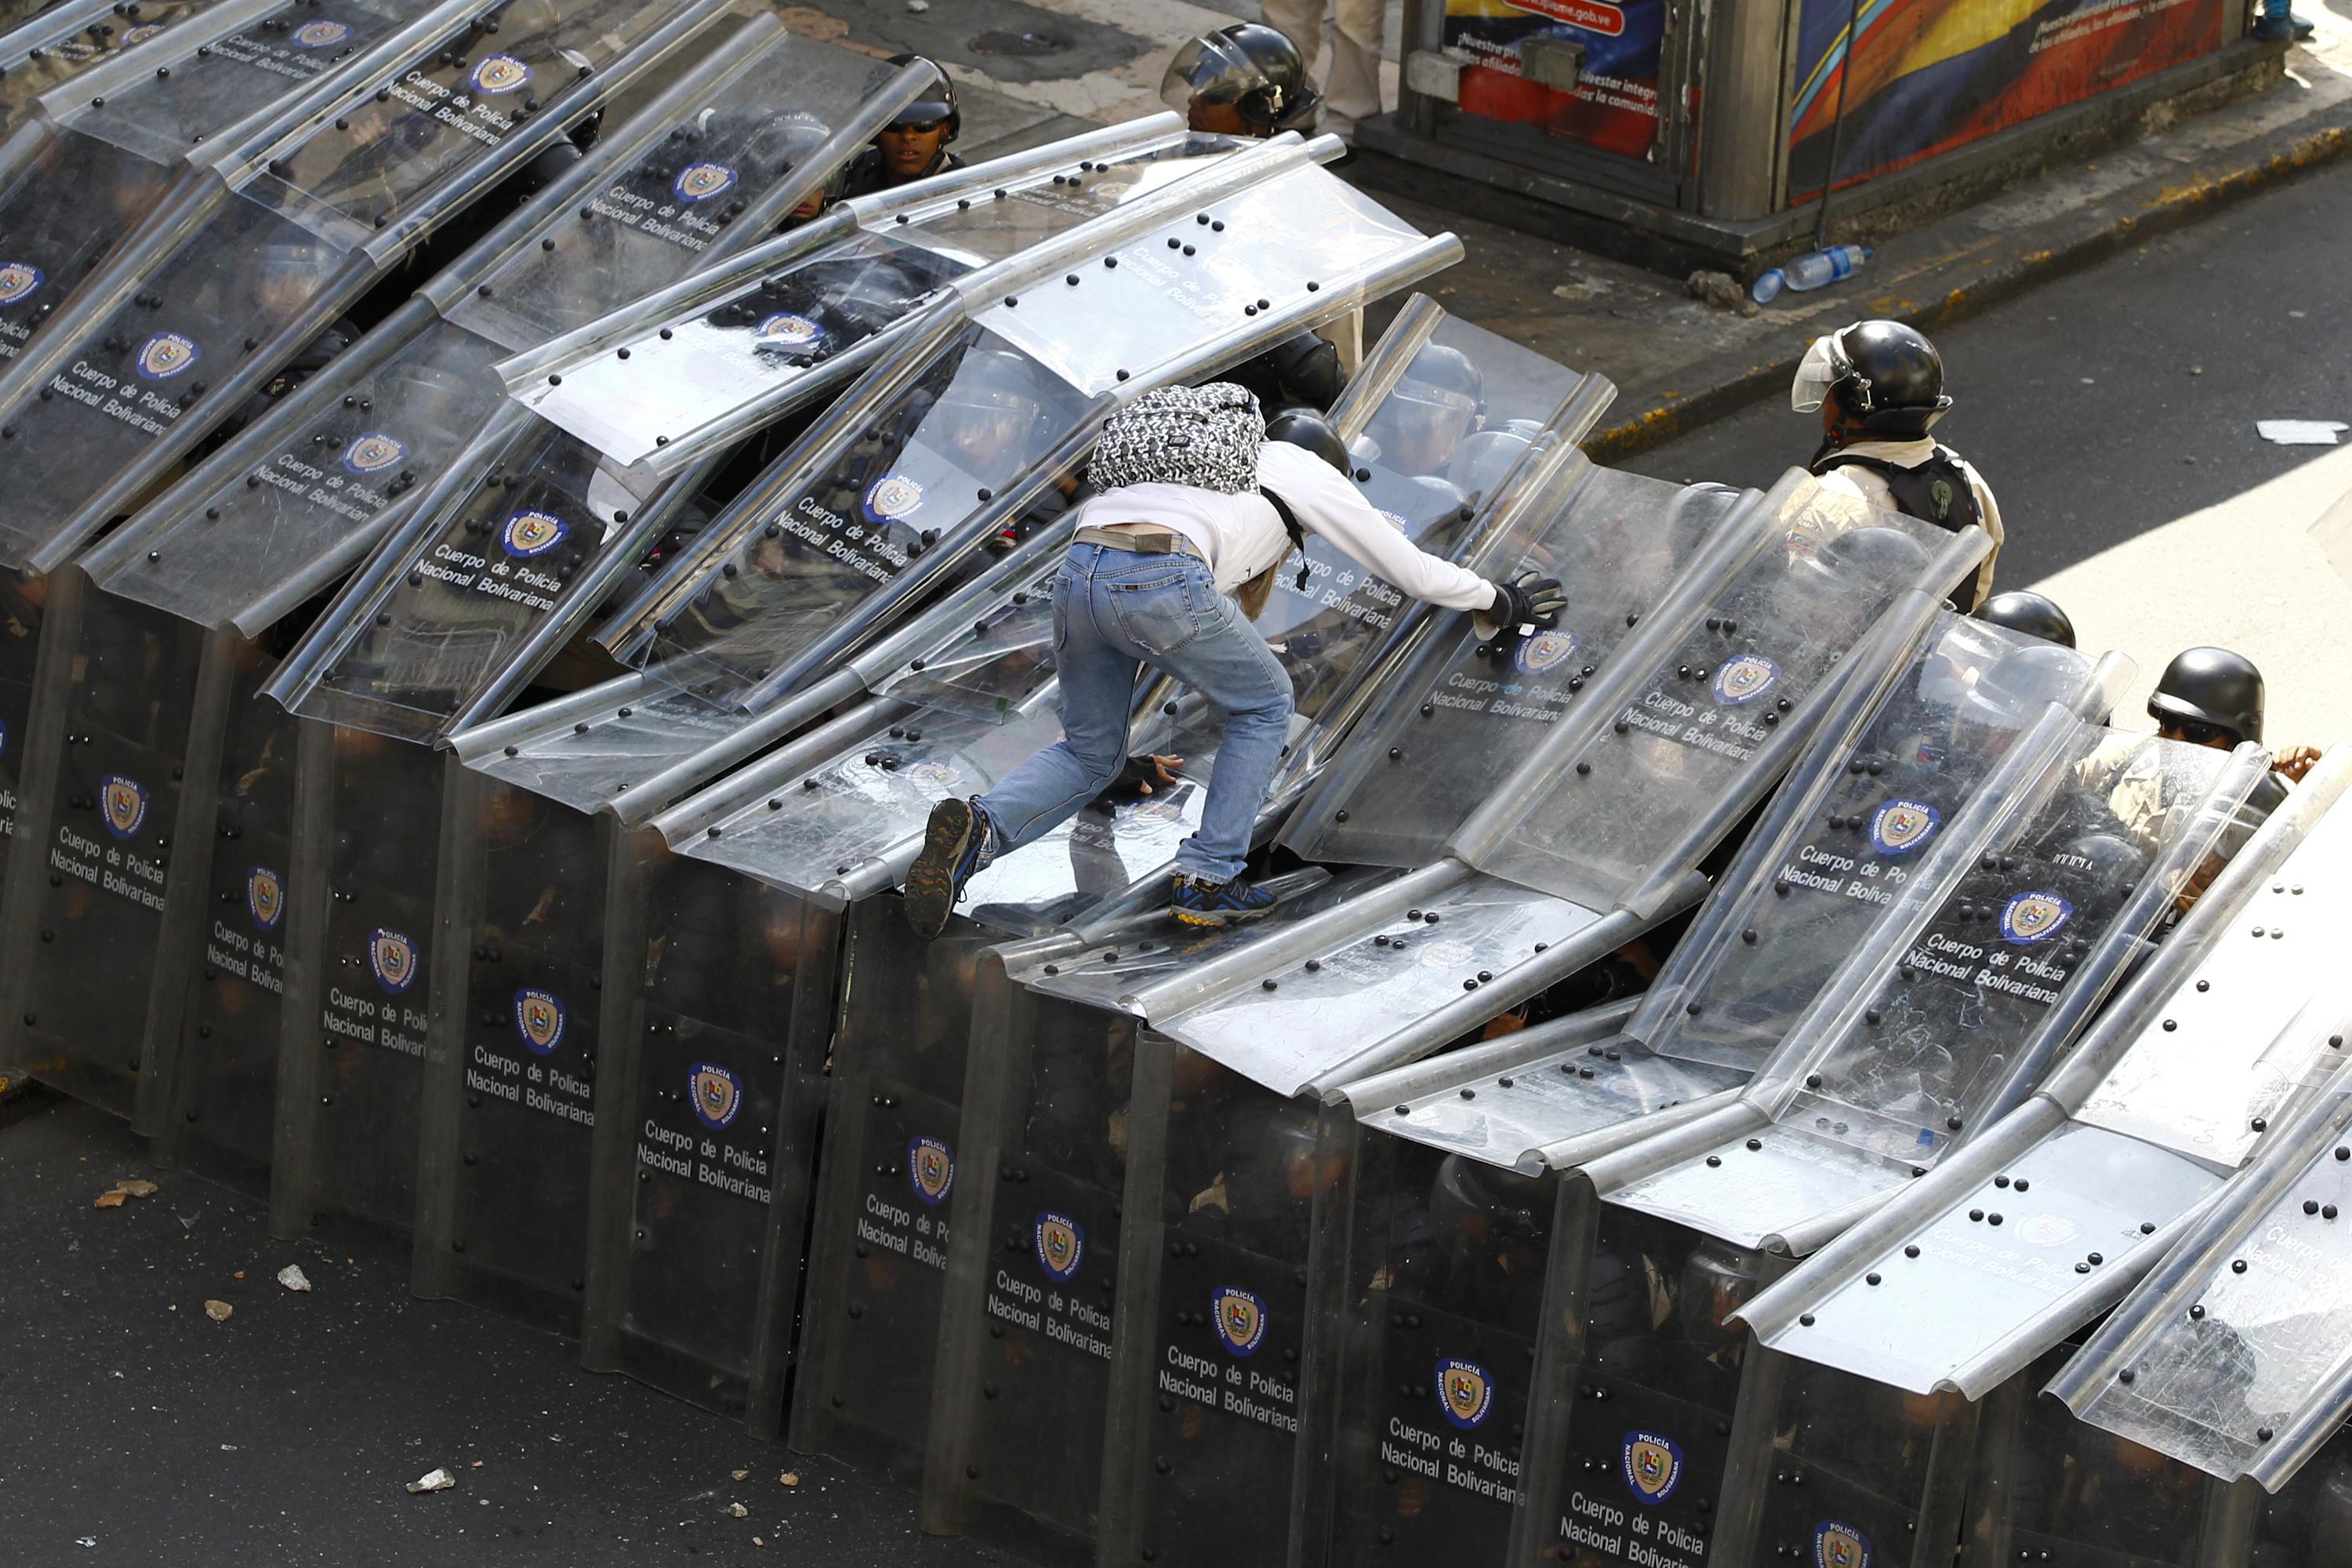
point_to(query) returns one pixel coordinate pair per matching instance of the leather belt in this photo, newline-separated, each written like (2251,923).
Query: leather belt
(1141,540)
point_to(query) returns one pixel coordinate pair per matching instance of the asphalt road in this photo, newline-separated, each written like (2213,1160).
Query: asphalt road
(2117,400)
(139,1432)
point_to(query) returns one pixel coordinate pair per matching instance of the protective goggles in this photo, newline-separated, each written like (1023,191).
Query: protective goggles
(1214,70)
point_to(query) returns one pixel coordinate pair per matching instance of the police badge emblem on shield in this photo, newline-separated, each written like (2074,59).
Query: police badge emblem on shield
(166,355)
(931,1167)
(1240,1318)
(1839,1545)
(373,453)
(538,1017)
(499,73)
(787,331)
(1744,679)
(1899,827)
(392,957)
(1545,649)
(529,534)
(1653,1467)
(1061,1246)
(141,35)
(17,279)
(700,182)
(265,898)
(1464,1391)
(2029,918)
(934,776)
(124,803)
(717,1093)
(891,496)
(318,35)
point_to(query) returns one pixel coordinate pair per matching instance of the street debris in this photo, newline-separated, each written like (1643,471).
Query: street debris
(1720,290)
(218,1311)
(432,1480)
(109,1199)
(292,1278)
(740,1475)
(134,1187)
(789,1479)
(738,1511)
(2300,432)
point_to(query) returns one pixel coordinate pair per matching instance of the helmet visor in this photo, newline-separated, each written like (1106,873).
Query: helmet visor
(1823,366)
(1212,69)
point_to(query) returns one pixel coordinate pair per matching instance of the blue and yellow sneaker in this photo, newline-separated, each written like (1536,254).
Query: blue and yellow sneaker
(1197,902)
(957,841)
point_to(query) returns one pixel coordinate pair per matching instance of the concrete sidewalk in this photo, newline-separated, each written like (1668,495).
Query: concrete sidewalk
(1031,72)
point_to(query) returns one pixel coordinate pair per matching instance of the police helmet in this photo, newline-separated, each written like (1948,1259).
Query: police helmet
(1490,1208)
(2030,614)
(1255,67)
(993,405)
(781,141)
(1886,378)
(935,103)
(1307,428)
(1436,405)
(2015,690)
(2113,864)
(1871,554)
(2210,694)
(1717,1280)
(1488,458)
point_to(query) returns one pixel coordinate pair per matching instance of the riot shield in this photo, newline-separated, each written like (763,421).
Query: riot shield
(714,356)
(1931,1292)
(22,597)
(2233,1347)
(296,498)
(229,1017)
(127,681)
(49,50)
(1709,704)
(176,333)
(2049,1489)
(1949,1015)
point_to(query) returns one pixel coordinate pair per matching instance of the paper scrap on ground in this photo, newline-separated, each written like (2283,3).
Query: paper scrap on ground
(293,1279)
(435,1480)
(2300,432)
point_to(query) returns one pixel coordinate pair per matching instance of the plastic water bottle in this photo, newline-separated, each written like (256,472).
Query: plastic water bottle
(1812,269)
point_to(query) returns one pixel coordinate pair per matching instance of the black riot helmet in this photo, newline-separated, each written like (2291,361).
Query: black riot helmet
(2031,613)
(1488,1208)
(1307,428)
(1254,68)
(1436,404)
(2213,696)
(934,103)
(1886,379)
(1303,369)
(992,407)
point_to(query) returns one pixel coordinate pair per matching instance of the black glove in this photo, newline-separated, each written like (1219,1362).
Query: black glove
(1526,599)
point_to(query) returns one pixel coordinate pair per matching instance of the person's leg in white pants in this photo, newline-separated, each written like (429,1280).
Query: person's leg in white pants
(1352,87)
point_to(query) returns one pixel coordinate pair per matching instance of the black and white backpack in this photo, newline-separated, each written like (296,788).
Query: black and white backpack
(1205,436)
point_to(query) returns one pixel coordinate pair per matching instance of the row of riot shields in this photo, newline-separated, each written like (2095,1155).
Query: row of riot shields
(690,1028)
(157,640)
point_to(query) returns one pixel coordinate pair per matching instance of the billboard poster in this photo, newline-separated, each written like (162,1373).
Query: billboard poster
(1932,75)
(1614,106)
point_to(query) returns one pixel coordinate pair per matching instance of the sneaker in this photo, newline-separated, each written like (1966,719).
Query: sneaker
(2286,29)
(957,841)
(1197,902)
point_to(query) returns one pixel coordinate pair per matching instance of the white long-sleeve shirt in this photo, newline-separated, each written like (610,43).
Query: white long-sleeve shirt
(1241,535)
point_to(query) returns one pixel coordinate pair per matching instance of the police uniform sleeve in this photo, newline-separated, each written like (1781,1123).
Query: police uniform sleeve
(1328,504)
(1988,513)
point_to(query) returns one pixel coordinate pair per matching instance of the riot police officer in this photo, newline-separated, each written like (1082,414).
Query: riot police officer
(2211,697)
(2030,614)
(1879,386)
(914,145)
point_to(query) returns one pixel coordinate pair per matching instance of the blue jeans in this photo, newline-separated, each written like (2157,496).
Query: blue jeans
(1115,610)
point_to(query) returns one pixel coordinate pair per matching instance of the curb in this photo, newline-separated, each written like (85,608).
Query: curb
(2132,217)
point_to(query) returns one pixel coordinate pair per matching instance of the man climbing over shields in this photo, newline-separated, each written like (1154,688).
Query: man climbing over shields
(1195,514)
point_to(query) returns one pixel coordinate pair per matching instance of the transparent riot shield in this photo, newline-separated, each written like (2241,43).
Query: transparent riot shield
(1950,1016)
(714,355)
(2234,1359)
(63,42)
(2049,1216)
(1834,1468)
(2311,1521)
(172,340)
(126,679)
(22,598)
(1722,695)
(355,1016)
(295,498)
(2050,1490)
(712,1086)
(223,1085)
(502,1210)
